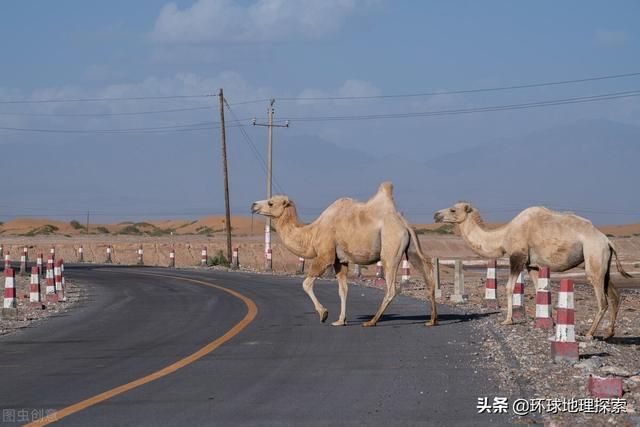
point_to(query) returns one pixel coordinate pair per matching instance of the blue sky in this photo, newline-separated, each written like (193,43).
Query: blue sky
(279,48)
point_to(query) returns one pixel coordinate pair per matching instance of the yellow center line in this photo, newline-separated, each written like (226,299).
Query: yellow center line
(252,311)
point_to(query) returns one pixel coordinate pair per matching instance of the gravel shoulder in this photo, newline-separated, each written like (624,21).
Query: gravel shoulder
(26,315)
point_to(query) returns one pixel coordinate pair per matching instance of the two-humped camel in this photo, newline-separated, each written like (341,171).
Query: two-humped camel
(539,237)
(351,232)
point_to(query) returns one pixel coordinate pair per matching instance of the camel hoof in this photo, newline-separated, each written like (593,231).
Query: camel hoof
(368,324)
(431,323)
(608,335)
(507,322)
(339,323)
(323,315)
(588,337)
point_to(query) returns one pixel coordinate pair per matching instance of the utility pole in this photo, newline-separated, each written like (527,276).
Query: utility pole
(87,222)
(223,142)
(269,125)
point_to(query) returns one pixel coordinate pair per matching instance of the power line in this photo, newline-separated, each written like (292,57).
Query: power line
(448,92)
(256,153)
(537,104)
(132,113)
(175,128)
(105,99)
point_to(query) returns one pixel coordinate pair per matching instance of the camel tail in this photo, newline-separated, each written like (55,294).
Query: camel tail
(618,265)
(414,239)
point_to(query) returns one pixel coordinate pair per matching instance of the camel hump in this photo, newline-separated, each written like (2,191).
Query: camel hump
(386,188)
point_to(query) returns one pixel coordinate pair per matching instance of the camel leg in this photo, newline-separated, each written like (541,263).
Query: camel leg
(517,262)
(595,268)
(390,262)
(316,270)
(341,274)
(614,298)
(425,268)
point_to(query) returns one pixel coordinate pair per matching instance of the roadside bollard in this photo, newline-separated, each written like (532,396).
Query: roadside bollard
(140,256)
(406,272)
(458,295)
(235,259)
(39,265)
(379,275)
(490,294)
(565,347)
(268,262)
(172,258)
(50,263)
(543,300)
(204,257)
(34,288)
(109,250)
(436,277)
(518,310)
(300,266)
(57,273)
(52,252)
(50,289)
(357,271)
(24,258)
(1,251)
(7,260)
(80,254)
(10,289)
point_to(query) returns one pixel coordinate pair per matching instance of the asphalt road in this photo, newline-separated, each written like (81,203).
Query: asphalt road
(284,368)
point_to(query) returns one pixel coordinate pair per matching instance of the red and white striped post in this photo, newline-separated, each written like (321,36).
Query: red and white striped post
(267,248)
(50,263)
(7,260)
(109,250)
(490,291)
(565,347)
(10,300)
(34,288)
(357,271)
(39,265)
(379,274)
(406,271)
(64,285)
(140,256)
(517,299)
(543,300)
(80,254)
(52,252)
(57,273)
(50,289)
(23,260)
(300,266)
(235,259)
(204,257)
(268,261)
(172,258)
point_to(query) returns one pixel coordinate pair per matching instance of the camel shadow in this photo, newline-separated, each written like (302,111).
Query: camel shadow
(444,319)
(624,340)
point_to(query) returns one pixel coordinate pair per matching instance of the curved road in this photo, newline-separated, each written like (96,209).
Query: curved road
(284,368)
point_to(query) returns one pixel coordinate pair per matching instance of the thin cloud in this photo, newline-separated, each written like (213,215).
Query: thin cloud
(208,21)
(611,38)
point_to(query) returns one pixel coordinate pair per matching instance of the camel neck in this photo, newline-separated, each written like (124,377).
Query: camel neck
(484,241)
(294,234)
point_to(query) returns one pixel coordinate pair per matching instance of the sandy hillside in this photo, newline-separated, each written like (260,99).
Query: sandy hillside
(207,225)
(242,225)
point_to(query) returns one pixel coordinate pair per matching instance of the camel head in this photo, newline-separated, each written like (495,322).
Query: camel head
(273,207)
(455,214)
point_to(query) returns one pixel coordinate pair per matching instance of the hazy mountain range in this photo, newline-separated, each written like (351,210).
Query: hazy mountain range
(590,166)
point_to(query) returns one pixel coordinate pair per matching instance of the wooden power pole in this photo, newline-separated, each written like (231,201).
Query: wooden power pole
(269,125)
(223,142)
